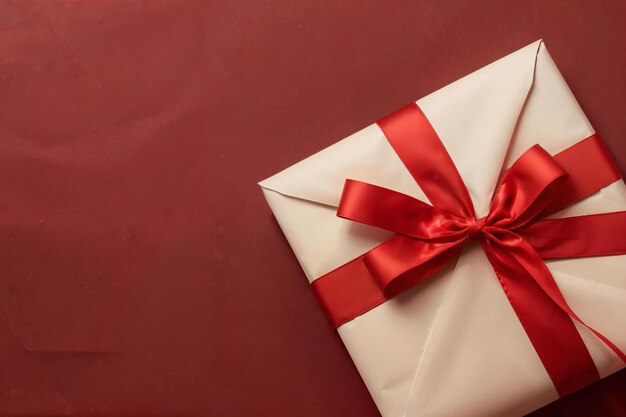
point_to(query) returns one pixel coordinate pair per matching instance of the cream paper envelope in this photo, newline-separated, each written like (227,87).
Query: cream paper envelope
(453,346)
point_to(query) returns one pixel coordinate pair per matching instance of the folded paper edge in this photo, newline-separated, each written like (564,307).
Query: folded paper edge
(268,184)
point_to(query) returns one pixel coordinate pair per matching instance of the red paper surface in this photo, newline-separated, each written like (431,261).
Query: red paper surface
(140,269)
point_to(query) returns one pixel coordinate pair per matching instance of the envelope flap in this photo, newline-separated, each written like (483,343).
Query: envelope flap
(474,116)
(365,155)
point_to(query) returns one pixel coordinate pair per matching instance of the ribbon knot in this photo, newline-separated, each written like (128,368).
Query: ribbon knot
(428,237)
(475,227)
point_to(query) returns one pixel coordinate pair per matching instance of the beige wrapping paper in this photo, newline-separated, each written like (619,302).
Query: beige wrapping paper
(453,346)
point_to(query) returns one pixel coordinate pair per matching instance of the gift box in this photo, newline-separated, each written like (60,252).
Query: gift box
(468,247)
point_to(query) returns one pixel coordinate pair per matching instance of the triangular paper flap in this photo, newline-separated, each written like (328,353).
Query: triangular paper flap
(475,118)
(365,155)
(551,117)
(60,295)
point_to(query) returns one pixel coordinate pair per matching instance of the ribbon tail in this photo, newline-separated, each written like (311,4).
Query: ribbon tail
(531,261)
(550,330)
(581,236)
(535,295)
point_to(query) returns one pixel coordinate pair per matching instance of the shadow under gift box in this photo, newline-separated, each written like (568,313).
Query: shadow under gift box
(453,345)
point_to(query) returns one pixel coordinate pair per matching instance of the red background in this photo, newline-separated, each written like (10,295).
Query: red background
(132,135)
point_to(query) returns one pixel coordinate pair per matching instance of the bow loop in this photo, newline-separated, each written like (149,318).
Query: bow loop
(528,187)
(402,262)
(397,212)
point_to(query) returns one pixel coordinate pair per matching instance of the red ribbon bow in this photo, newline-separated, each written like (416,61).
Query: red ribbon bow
(512,235)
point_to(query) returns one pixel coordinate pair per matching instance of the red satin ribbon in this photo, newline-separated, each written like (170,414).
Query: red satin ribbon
(512,235)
